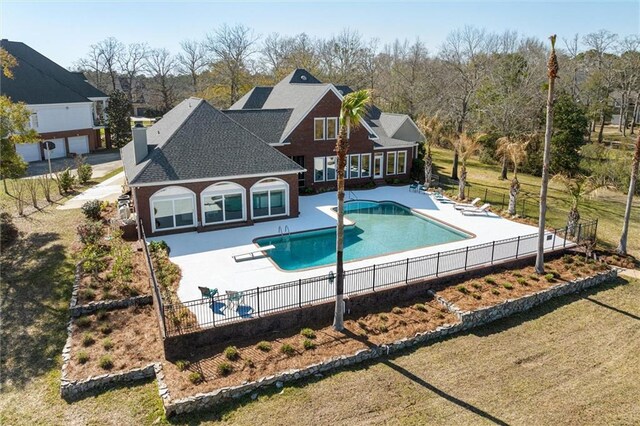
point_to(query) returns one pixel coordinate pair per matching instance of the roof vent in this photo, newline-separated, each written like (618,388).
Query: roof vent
(303,77)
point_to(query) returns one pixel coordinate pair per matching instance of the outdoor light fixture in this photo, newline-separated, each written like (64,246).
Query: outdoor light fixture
(332,277)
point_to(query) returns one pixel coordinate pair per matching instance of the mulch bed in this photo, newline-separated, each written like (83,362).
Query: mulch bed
(507,284)
(253,363)
(618,260)
(132,334)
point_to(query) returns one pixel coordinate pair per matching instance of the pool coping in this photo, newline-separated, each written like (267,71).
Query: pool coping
(353,224)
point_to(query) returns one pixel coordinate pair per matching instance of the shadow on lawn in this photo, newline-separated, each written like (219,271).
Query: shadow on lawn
(36,286)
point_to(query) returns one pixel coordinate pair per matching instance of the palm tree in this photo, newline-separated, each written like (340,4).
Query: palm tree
(622,246)
(514,151)
(354,106)
(465,146)
(552,74)
(577,188)
(434,132)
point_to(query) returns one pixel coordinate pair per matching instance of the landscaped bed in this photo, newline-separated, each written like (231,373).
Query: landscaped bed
(489,290)
(114,341)
(248,360)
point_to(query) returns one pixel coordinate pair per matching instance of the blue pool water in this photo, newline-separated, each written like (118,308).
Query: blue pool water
(380,228)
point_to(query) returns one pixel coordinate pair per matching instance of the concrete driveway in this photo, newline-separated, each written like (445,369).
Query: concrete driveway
(109,190)
(103,163)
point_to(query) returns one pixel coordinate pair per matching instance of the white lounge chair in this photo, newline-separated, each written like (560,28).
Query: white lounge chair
(460,206)
(476,210)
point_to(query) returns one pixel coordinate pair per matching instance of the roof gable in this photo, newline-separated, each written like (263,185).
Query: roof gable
(268,124)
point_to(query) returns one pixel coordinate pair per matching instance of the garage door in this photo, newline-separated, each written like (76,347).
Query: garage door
(79,144)
(29,151)
(59,151)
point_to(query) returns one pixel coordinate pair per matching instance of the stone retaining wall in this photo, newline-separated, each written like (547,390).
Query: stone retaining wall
(107,305)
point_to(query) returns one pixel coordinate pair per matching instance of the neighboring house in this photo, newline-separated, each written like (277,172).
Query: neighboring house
(198,169)
(139,95)
(66,109)
(299,117)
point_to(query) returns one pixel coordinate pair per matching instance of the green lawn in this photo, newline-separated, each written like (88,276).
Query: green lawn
(607,206)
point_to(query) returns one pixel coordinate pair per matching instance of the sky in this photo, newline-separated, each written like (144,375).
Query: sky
(63,31)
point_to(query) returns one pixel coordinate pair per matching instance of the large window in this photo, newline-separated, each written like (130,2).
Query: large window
(318,129)
(354,162)
(377,165)
(270,197)
(332,128)
(223,202)
(402,162)
(332,163)
(391,163)
(171,208)
(318,169)
(365,165)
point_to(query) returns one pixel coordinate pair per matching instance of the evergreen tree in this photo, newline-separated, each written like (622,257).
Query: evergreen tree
(118,114)
(570,127)
(14,128)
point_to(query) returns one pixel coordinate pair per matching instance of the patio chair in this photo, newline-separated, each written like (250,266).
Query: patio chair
(234,298)
(209,293)
(414,187)
(460,206)
(476,210)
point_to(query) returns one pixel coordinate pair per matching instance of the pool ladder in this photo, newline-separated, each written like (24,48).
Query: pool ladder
(284,232)
(352,195)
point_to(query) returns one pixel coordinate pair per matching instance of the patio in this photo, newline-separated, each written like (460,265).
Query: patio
(206,259)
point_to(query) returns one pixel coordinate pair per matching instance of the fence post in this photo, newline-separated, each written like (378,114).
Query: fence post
(595,233)
(579,232)
(502,205)
(466,256)
(485,195)
(373,283)
(524,208)
(258,297)
(564,243)
(493,250)
(437,264)
(406,275)
(518,246)
(213,318)
(553,244)
(300,293)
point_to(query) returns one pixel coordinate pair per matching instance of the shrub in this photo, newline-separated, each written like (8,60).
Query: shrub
(231,353)
(568,259)
(383,317)
(441,315)
(87,339)
(106,362)
(508,286)
(477,286)
(156,246)
(287,349)
(182,365)
(550,278)
(534,277)
(308,344)
(249,363)
(105,329)
(420,307)
(490,280)
(224,368)
(517,274)
(396,310)
(91,210)
(66,180)
(102,315)
(362,324)
(196,378)
(382,328)
(85,171)
(82,357)
(495,291)
(83,322)
(264,346)
(8,230)
(477,296)
(462,289)
(521,281)
(107,344)
(122,254)
(308,333)
(88,293)
(90,232)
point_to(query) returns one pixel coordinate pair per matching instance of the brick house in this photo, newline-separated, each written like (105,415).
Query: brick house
(65,108)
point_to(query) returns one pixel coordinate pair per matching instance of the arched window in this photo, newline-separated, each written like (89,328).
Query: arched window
(172,207)
(269,197)
(223,202)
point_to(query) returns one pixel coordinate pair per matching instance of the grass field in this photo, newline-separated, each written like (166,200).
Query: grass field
(606,205)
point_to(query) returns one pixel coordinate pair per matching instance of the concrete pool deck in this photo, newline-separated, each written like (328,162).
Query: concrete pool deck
(206,258)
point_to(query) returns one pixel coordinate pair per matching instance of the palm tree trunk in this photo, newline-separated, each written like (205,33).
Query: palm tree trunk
(552,74)
(572,221)
(462,181)
(428,170)
(622,246)
(342,147)
(513,195)
(503,172)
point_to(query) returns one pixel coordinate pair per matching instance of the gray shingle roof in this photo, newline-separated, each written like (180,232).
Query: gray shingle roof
(39,80)
(195,141)
(266,123)
(257,97)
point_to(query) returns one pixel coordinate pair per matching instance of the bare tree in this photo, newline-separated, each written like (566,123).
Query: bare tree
(192,60)
(110,51)
(231,47)
(161,65)
(93,65)
(622,246)
(131,62)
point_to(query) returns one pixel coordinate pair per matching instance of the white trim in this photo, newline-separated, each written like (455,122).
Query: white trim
(324,128)
(404,171)
(211,192)
(395,162)
(391,148)
(281,185)
(335,168)
(336,129)
(215,179)
(362,168)
(187,194)
(324,169)
(379,156)
(88,102)
(350,165)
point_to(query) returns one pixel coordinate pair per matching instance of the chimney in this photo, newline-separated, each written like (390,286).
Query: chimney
(140,149)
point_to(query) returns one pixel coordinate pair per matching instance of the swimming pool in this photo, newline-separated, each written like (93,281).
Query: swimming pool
(380,228)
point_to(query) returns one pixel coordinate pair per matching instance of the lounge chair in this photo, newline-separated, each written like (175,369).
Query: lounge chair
(208,292)
(460,206)
(476,210)
(439,197)
(234,298)
(414,187)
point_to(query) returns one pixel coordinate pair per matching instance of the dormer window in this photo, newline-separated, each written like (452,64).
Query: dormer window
(318,129)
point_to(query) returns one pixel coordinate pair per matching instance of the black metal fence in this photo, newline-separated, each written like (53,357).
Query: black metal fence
(157,296)
(193,315)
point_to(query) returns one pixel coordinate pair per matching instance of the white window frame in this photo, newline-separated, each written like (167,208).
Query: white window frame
(33,120)
(373,171)
(324,169)
(358,166)
(404,166)
(336,127)
(171,196)
(232,188)
(370,165)
(395,163)
(267,185)
(324,129)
